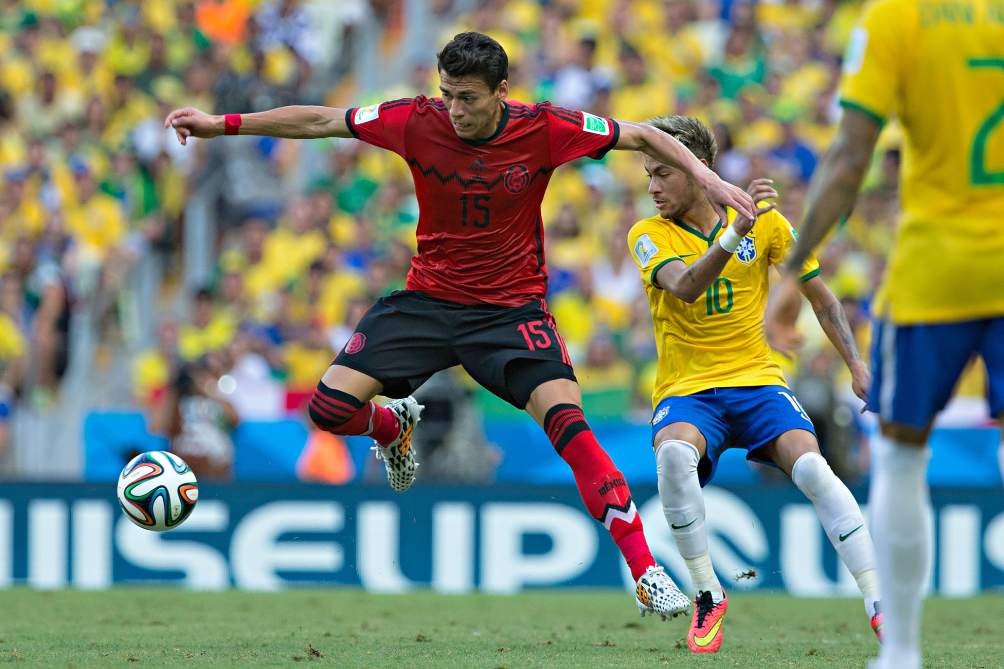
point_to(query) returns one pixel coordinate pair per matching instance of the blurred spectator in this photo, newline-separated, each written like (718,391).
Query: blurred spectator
(742,62)
(13,353)
(209,328)
(198,419)
(450,439)
(152,369)
(575,83)
(794,153)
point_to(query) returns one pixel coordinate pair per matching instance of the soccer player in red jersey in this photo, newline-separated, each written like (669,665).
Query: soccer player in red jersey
(475,292)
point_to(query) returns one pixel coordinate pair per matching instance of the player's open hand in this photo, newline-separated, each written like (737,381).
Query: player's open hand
(190,122)
(760,190)
(723,194)
(861,379)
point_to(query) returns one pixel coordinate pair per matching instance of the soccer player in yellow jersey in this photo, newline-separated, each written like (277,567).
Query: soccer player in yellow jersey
(717,385)
(939,67)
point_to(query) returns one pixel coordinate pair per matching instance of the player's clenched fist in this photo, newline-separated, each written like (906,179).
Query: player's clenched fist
(759,190)
(190,122)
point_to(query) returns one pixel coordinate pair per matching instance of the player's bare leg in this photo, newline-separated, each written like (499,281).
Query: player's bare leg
(679,448)
(796,452)
(355,383)
(343,404)
(557,406)
(900,507)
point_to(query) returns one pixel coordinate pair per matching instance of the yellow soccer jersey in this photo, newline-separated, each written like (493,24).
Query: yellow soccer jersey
(939,67)
(718,341)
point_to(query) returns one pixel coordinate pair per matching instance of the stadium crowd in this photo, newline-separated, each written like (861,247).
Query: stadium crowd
(307,235)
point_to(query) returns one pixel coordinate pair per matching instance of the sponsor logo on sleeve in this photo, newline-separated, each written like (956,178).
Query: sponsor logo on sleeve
(595,124)
(854,57)
(645,249)
(366,114)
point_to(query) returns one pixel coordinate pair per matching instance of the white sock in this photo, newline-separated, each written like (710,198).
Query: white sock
(683,504)
(842,521)
(900,507)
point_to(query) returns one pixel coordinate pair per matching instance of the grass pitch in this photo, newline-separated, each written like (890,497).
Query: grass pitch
(130,627)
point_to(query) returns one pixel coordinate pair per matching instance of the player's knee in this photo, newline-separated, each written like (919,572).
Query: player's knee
(906,434)
(323,420)
(677,458)
(331,409)
(812,474)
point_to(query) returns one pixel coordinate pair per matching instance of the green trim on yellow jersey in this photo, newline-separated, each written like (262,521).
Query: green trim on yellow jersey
(870,113)
(809,275)
(656,269)
(697,233)
(985,62)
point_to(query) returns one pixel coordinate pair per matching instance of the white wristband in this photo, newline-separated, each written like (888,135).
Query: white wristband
(730,240)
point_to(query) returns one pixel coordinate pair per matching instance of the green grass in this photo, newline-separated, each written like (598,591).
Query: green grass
(347,628)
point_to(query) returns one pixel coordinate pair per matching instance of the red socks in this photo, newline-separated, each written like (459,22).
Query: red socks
(340,413)
(602,487)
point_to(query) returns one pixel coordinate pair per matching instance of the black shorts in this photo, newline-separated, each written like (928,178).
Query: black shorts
(407,337)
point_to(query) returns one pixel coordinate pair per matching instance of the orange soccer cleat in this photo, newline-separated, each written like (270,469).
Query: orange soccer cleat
(705,635)
(876,621)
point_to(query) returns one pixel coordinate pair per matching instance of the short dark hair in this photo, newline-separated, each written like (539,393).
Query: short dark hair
(475,53)
(691,133)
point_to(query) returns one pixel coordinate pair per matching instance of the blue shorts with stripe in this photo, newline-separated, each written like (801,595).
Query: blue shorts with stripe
(915,367)
(746,417)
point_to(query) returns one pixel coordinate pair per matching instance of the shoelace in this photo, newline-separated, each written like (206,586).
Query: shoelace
(379,454)
(705,605)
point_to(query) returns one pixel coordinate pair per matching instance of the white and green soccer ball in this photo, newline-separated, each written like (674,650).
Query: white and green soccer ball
(157,490)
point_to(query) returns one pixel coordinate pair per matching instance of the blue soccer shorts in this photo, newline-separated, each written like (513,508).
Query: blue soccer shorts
(915,367)
(747,417)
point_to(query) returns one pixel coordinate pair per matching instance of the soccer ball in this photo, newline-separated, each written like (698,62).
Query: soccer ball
(157,490)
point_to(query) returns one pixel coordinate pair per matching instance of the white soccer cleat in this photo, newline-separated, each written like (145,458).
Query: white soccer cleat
(399,456)
(657,593)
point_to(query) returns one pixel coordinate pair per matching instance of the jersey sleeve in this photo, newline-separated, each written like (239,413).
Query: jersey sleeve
(382,124)
(575,134)
(650,250)
(873,63)
(782,239)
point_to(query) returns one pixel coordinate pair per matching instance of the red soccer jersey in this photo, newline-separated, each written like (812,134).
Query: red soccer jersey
(480,234)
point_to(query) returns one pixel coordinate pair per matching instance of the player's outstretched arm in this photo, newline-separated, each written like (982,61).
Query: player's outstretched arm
(689,282)
(295,122)
(835,184)
(833,320)
(668,150)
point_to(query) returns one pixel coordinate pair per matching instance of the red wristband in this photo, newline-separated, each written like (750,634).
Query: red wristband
(231,124)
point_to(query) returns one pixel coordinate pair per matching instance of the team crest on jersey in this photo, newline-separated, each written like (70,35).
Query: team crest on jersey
(366,114)
(356,343)
(659,415)
(516,178)
(595,124)
(645,249)
(746,251)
